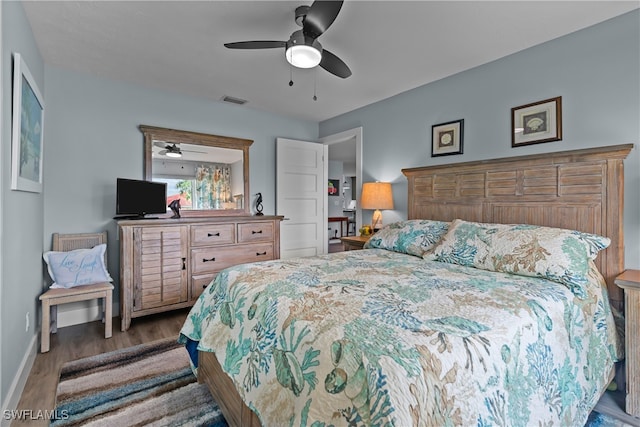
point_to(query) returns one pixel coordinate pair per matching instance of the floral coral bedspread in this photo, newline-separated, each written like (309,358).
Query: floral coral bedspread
(375,337)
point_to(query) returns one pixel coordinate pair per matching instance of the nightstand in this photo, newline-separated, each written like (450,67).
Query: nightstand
(352,243)
(630,282)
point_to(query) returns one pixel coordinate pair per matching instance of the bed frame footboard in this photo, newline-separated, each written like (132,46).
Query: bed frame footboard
(224,392)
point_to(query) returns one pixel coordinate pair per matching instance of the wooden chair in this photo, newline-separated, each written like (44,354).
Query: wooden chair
(53,297)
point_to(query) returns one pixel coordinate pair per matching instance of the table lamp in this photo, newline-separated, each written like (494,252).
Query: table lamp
(376,195)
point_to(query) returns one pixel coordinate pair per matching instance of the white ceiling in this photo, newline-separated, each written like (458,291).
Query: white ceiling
(391,46)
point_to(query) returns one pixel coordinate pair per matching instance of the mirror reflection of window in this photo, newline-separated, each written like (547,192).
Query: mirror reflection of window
(178,189)
(201,185)
(198,181)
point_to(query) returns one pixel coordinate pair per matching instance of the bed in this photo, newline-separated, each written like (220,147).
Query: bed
(443,319)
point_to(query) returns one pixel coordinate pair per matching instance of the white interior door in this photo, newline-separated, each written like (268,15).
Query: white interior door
(301,197)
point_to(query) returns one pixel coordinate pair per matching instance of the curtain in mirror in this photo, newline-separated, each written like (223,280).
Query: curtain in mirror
(212,187)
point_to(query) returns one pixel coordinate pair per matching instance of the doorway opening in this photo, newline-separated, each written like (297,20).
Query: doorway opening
(344,169)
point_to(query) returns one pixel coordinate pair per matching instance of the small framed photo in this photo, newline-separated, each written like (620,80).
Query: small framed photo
(26,136)
(334,187)
(537,122)
(446,138)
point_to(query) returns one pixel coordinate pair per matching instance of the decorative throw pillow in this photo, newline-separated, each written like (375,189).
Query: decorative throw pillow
(413,237)
(78,267)
(527,250)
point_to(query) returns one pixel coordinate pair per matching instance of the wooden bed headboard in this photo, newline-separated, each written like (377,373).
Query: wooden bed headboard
(579,189)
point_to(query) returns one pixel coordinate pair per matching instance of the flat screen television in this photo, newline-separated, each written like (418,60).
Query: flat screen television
(136,198)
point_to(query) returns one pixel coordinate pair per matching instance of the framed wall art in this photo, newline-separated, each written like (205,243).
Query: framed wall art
(26,133)
(447,138)
(334,187)
(537,122)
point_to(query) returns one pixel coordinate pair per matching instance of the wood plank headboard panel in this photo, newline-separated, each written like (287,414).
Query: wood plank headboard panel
(579,189)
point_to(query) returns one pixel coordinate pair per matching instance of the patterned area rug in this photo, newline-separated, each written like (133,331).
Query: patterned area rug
(149,384)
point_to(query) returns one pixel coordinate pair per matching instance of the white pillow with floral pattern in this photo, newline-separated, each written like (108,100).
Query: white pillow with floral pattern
(528,250)
(413,237)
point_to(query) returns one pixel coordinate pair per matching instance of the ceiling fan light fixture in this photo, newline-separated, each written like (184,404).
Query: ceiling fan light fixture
(303,51)
(303,56)
(172,151)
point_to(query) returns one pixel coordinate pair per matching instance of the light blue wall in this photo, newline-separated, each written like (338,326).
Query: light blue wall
(92,137)
(596,71)
(22,213)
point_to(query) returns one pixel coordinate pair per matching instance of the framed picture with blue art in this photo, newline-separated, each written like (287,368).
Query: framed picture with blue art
(27,127)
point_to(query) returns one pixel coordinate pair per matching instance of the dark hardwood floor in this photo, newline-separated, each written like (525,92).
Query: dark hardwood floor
(75,342)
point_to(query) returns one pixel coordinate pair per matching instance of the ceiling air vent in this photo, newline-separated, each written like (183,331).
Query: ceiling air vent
(233,100)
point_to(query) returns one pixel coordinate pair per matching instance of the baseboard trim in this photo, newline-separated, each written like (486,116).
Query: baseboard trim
(78,313)
(20,380)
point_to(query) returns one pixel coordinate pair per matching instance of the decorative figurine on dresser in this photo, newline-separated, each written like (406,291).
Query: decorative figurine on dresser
(175,207)
(259,204)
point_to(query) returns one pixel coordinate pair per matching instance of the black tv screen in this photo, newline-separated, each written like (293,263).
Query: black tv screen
(138,198)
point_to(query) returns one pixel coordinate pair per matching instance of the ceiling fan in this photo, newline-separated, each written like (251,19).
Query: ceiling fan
(303,50)
(172,150)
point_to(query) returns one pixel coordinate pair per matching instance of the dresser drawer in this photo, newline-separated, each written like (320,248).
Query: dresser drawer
(199,283)
(212,234)
(210,260)
(255,232)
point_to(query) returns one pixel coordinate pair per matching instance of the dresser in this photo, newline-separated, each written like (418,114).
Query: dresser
(165,264)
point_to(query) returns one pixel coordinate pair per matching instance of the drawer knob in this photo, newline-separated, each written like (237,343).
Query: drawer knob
(212,235)
(207,260)
(184,263)
(256,232)
(261,253)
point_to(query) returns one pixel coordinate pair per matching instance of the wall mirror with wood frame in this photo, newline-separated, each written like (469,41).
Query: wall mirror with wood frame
(208,174)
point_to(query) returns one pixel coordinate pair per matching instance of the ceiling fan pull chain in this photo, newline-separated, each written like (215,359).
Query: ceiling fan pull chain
(290,75)
(315,83)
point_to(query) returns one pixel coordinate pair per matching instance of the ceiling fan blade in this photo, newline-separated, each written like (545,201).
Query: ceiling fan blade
(264,44)
(334,65)
(320,16)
